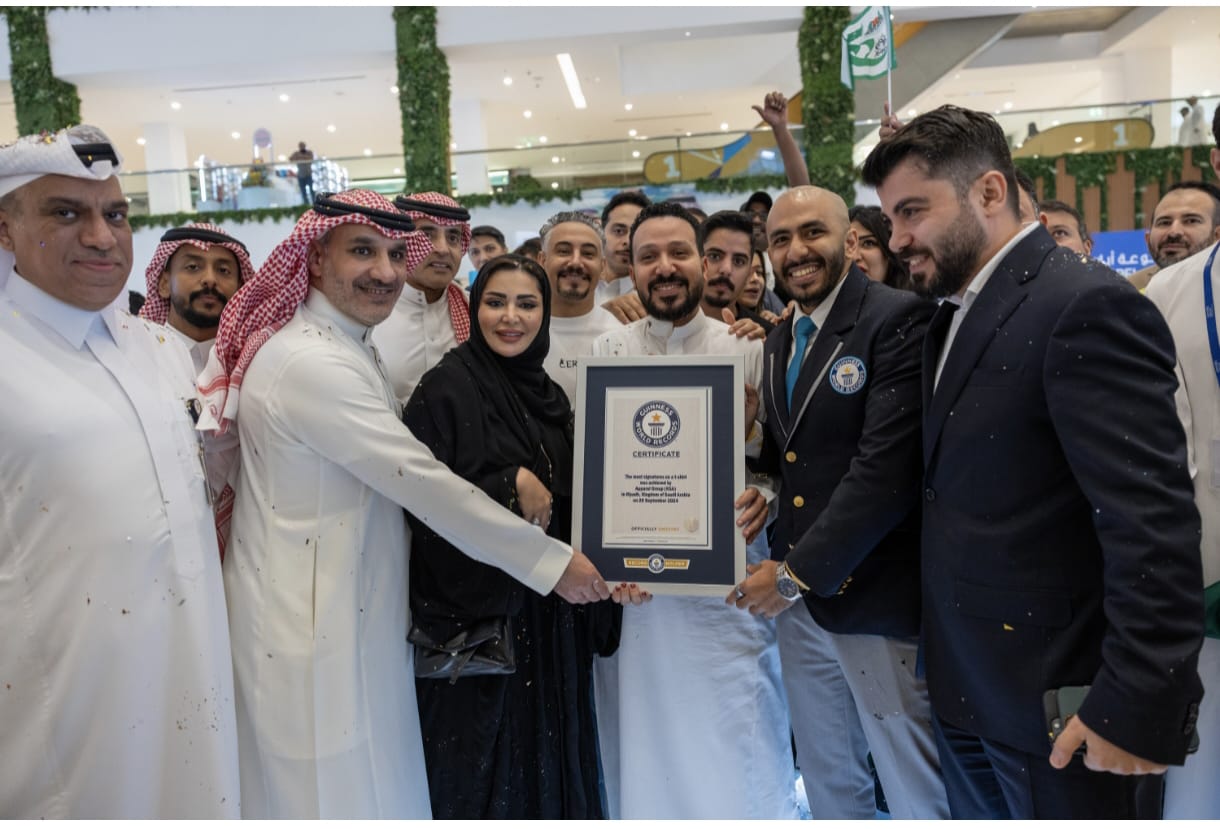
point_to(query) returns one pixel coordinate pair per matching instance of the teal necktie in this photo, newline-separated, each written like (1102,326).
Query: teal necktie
(804,330)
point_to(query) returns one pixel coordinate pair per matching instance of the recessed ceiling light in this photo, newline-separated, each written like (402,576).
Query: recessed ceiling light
(398,171)
(284,97)
(528,114)
(570,78)
(508,80)
(635,153)
(688,34)
(175,105)
(367,151)
(554,159)
(554,185)
(236,135)
(542,139)
(688,133)
(281,158)
(724,126)
(627,107)
(1054,123)
(330,127)
(631,133)
(141,141)
(393,90)
(452,145)
(1079,139)
(911,113)
(1008,105)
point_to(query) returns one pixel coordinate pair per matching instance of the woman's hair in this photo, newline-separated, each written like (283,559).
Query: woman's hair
(873,220)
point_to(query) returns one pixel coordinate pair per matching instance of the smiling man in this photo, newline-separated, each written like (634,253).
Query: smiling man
(1185,221)
(842,402)
(1060,539)
(572,245)
(693,696)
(316,575)
(432,315)
(116,679)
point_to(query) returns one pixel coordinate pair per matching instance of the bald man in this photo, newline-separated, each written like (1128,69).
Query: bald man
(842,396)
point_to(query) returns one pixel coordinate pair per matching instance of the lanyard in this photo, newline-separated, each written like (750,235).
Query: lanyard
(1209,310)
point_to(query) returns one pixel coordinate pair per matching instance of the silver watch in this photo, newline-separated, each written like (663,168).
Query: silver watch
(785,584)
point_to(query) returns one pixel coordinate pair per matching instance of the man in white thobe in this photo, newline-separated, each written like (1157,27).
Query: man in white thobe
(1191,792)
(116,688)
(432,314)
(316,575)
(691,711)
(572,246)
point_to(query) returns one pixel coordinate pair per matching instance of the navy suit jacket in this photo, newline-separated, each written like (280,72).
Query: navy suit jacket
(1060,535)
(849,458)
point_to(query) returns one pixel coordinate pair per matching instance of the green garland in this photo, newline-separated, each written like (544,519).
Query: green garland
(741,184)
(826,105)
(1037,167)
(531,197)
(423,94)
(1090,170)
(43,102)
(220,217)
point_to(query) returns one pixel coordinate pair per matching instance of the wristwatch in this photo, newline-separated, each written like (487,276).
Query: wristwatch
(786,584)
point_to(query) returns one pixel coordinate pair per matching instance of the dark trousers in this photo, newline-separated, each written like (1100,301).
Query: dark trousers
(987,780)
(306,183)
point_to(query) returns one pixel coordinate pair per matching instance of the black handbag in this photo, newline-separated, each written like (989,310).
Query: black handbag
(484,649)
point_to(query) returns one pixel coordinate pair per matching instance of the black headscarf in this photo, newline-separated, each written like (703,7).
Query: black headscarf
(519,386)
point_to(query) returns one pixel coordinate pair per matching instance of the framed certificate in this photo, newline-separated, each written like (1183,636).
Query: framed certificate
(660,458)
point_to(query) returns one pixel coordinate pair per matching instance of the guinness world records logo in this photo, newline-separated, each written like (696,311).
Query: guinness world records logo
(656,424)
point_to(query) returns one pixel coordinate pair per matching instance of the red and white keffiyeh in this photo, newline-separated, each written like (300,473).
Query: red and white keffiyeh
(459,308)
(268,301)
(156,308)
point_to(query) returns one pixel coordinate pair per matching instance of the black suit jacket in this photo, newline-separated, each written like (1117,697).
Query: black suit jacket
(1060,535)
(849,459)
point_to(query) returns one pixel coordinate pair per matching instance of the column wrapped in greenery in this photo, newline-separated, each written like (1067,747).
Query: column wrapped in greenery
(826,106)
(43,101)
(423,94)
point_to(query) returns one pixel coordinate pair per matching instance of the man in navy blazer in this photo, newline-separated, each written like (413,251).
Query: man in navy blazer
(1060,538)
(841,396)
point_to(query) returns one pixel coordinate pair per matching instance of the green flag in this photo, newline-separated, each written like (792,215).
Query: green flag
(868,45)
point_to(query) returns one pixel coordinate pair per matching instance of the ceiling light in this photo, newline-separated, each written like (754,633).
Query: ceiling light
(330,127)
(688,133)
(542,139)
(284,97)
(393,90)
(631,133)
(911,113)
(1207,93)
(528,114)
(554,185)
(508,80)
(688,34)
(175,105)
(1079,139)
(367,151)
(569,77)
(1054,123)
(724,126)
(635,153)
(398,171)
(627,107)
(236,135)
(1008,105)
(554,159)
(281,158)
(452,145)
(141,141)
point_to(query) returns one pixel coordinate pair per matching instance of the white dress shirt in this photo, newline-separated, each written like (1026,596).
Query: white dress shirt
(414,338)
(691,711)
(116,689)
(571,339)
(316,574)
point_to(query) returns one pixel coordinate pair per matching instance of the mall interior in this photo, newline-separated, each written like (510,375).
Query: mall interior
(208,103)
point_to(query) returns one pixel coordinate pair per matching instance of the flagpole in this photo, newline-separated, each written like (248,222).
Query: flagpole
(889,62)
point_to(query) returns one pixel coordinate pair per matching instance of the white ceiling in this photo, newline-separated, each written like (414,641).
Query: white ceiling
(227,67)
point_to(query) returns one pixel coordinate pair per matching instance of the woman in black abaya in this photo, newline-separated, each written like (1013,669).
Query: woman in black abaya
(519,745)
